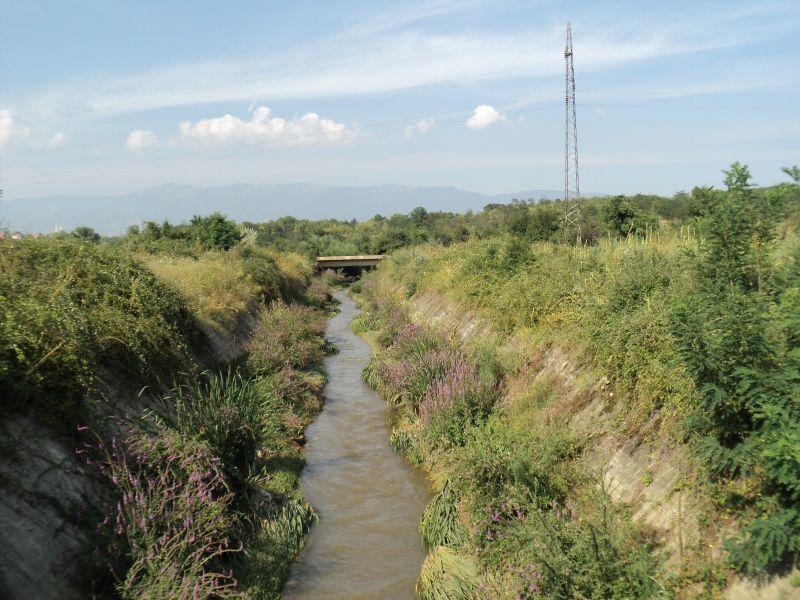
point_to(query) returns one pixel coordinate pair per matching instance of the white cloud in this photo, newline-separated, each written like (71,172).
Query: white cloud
(261,125)
(421,126)
(10,129)
(141,139)
(57,140)
(484,116)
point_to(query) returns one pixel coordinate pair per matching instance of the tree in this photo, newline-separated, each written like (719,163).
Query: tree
(418,216)
(624,218)
(215,231)
(86,233)
(737,336)
(793,172)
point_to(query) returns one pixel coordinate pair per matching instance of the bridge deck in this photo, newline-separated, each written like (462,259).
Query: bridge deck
(363,260)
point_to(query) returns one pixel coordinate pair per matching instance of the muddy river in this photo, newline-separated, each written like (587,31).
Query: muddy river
(366,544)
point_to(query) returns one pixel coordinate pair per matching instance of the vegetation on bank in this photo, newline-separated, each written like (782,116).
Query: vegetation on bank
(695,324)
(201,470)
(517,515)
(207,501)
(528,219)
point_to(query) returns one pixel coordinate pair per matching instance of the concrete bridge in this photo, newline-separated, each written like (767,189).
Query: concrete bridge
(349,264)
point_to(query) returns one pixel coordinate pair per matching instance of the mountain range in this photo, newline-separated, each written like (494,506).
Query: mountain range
(112,214)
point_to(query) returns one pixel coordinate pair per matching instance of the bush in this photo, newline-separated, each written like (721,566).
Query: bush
(287,336)
(69,309)
(215,232)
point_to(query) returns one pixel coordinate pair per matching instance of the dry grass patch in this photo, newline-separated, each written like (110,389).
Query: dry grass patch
(214,285)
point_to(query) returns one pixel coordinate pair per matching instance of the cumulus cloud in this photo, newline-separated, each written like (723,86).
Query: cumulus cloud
(484,116)
(10,129)
(57,140)
(421,126)
(140,139)
(261,125)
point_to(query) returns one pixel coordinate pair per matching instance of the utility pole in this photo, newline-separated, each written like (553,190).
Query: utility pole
(572,188)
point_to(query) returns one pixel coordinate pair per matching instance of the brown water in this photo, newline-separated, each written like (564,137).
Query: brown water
(366,544)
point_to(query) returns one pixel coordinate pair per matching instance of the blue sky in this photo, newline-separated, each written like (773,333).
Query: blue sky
(110,96)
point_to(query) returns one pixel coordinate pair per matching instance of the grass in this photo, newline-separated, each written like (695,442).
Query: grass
(214,285)
(447,575)
(235,431)
(609,303)
(220,286)
(517,470)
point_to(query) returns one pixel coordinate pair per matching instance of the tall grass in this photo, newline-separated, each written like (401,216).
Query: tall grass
(215,285)
(441,524)
(287,336)
(236,416)
(171,527)
(447,575)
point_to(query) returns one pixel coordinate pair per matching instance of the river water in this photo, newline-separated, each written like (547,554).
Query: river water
(366,544)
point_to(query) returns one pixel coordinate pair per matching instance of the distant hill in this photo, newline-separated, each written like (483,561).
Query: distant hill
(242,202)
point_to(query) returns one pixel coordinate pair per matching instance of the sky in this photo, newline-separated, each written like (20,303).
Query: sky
(112,96)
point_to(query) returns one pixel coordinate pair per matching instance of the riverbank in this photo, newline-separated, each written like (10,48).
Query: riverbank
(154,422)
(519,511)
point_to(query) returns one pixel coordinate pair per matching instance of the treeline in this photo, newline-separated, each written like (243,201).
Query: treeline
(528,220)
(615,216)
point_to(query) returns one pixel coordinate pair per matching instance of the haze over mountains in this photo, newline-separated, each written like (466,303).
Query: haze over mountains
(112,214)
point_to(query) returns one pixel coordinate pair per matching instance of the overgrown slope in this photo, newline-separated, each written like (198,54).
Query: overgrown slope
(542,381)
(135,461)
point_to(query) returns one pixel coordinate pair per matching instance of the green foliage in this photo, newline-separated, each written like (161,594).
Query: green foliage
(528,220)
(440,524)
(68,310)
(268,558)
(287,336)
(764,544)
(742,351)
(211,232)
(623,217)
(236,416)
(171,528)
(447,575)
(86,234)
(215,231)
(793,172)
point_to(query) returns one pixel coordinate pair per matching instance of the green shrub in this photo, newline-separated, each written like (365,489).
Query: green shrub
(67,310)
(287,336)
(171,530)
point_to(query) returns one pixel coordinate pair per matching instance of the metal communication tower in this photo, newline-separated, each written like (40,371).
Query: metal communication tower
(572,188)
